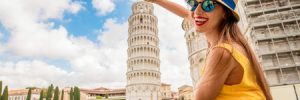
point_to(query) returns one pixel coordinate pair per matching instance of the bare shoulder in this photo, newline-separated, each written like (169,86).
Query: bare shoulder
(219,52)
(220,56)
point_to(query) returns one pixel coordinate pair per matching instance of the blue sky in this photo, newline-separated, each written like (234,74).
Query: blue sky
(80,43)
(87,23)
(5,34)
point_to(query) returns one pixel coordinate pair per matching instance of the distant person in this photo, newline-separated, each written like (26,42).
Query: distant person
(231,70)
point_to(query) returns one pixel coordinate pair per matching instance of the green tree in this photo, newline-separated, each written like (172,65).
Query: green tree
(49,92)
(56,93)
(71,94)
(106,95)
(5,94)
(45,92)
(29,94)
(62,95)
(98,97)
(77,93)
(41,95)
(0,89)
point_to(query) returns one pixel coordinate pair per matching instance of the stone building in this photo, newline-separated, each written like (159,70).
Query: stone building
(166,93)
(185,92)
(143,64)
(274,31)
(21,94)
(111,94)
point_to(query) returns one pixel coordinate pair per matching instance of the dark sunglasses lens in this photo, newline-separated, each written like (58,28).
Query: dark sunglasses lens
(208,5)
(193,4)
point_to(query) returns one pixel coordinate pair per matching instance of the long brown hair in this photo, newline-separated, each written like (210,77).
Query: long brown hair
(231,32)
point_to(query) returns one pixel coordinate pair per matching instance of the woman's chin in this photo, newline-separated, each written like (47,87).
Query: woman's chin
(199,30)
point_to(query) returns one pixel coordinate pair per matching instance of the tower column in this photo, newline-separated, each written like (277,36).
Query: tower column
(143,64)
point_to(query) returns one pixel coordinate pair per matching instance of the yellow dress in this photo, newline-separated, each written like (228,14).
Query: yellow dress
(248,89)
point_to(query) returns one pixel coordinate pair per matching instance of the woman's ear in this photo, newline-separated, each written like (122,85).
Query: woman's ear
(226,13)
(224,16)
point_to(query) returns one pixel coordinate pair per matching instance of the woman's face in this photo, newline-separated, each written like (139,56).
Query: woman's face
(207,21)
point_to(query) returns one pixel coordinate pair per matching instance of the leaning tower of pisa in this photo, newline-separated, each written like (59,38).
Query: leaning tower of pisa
(143,64)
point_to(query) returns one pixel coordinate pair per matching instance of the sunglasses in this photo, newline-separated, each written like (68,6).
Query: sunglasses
(206,5)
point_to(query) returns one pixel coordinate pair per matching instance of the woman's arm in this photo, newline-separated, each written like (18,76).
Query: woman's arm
(219,65)
(174,8)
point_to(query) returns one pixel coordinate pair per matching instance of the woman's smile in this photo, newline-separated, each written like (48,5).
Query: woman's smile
(199,21)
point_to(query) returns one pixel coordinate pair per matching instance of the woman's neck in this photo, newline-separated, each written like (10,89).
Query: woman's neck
(212,38)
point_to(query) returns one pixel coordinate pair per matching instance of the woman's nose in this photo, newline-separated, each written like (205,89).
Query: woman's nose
(198,11)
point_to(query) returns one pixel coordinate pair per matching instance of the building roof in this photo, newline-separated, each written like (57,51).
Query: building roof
(165,84)
(102,90)
(184,86)
(23,92)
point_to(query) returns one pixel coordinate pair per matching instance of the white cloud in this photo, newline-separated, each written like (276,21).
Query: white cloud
(31,33)
(1,35)
(42,42)
(75,7)
(103,6)
(38,9)
(113,33)
(31,73)
(103,60)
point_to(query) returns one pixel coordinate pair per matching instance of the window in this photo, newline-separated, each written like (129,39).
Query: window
(141,20)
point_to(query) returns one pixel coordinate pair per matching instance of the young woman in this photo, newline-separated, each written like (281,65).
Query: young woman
(231,71)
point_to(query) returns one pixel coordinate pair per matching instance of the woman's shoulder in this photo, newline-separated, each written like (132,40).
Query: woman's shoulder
(223,54)
(233,46)
(219,55)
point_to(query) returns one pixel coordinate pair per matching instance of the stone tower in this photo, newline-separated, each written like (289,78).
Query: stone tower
(143,64)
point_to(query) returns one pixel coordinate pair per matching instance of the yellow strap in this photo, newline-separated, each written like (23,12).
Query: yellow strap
(242,59)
